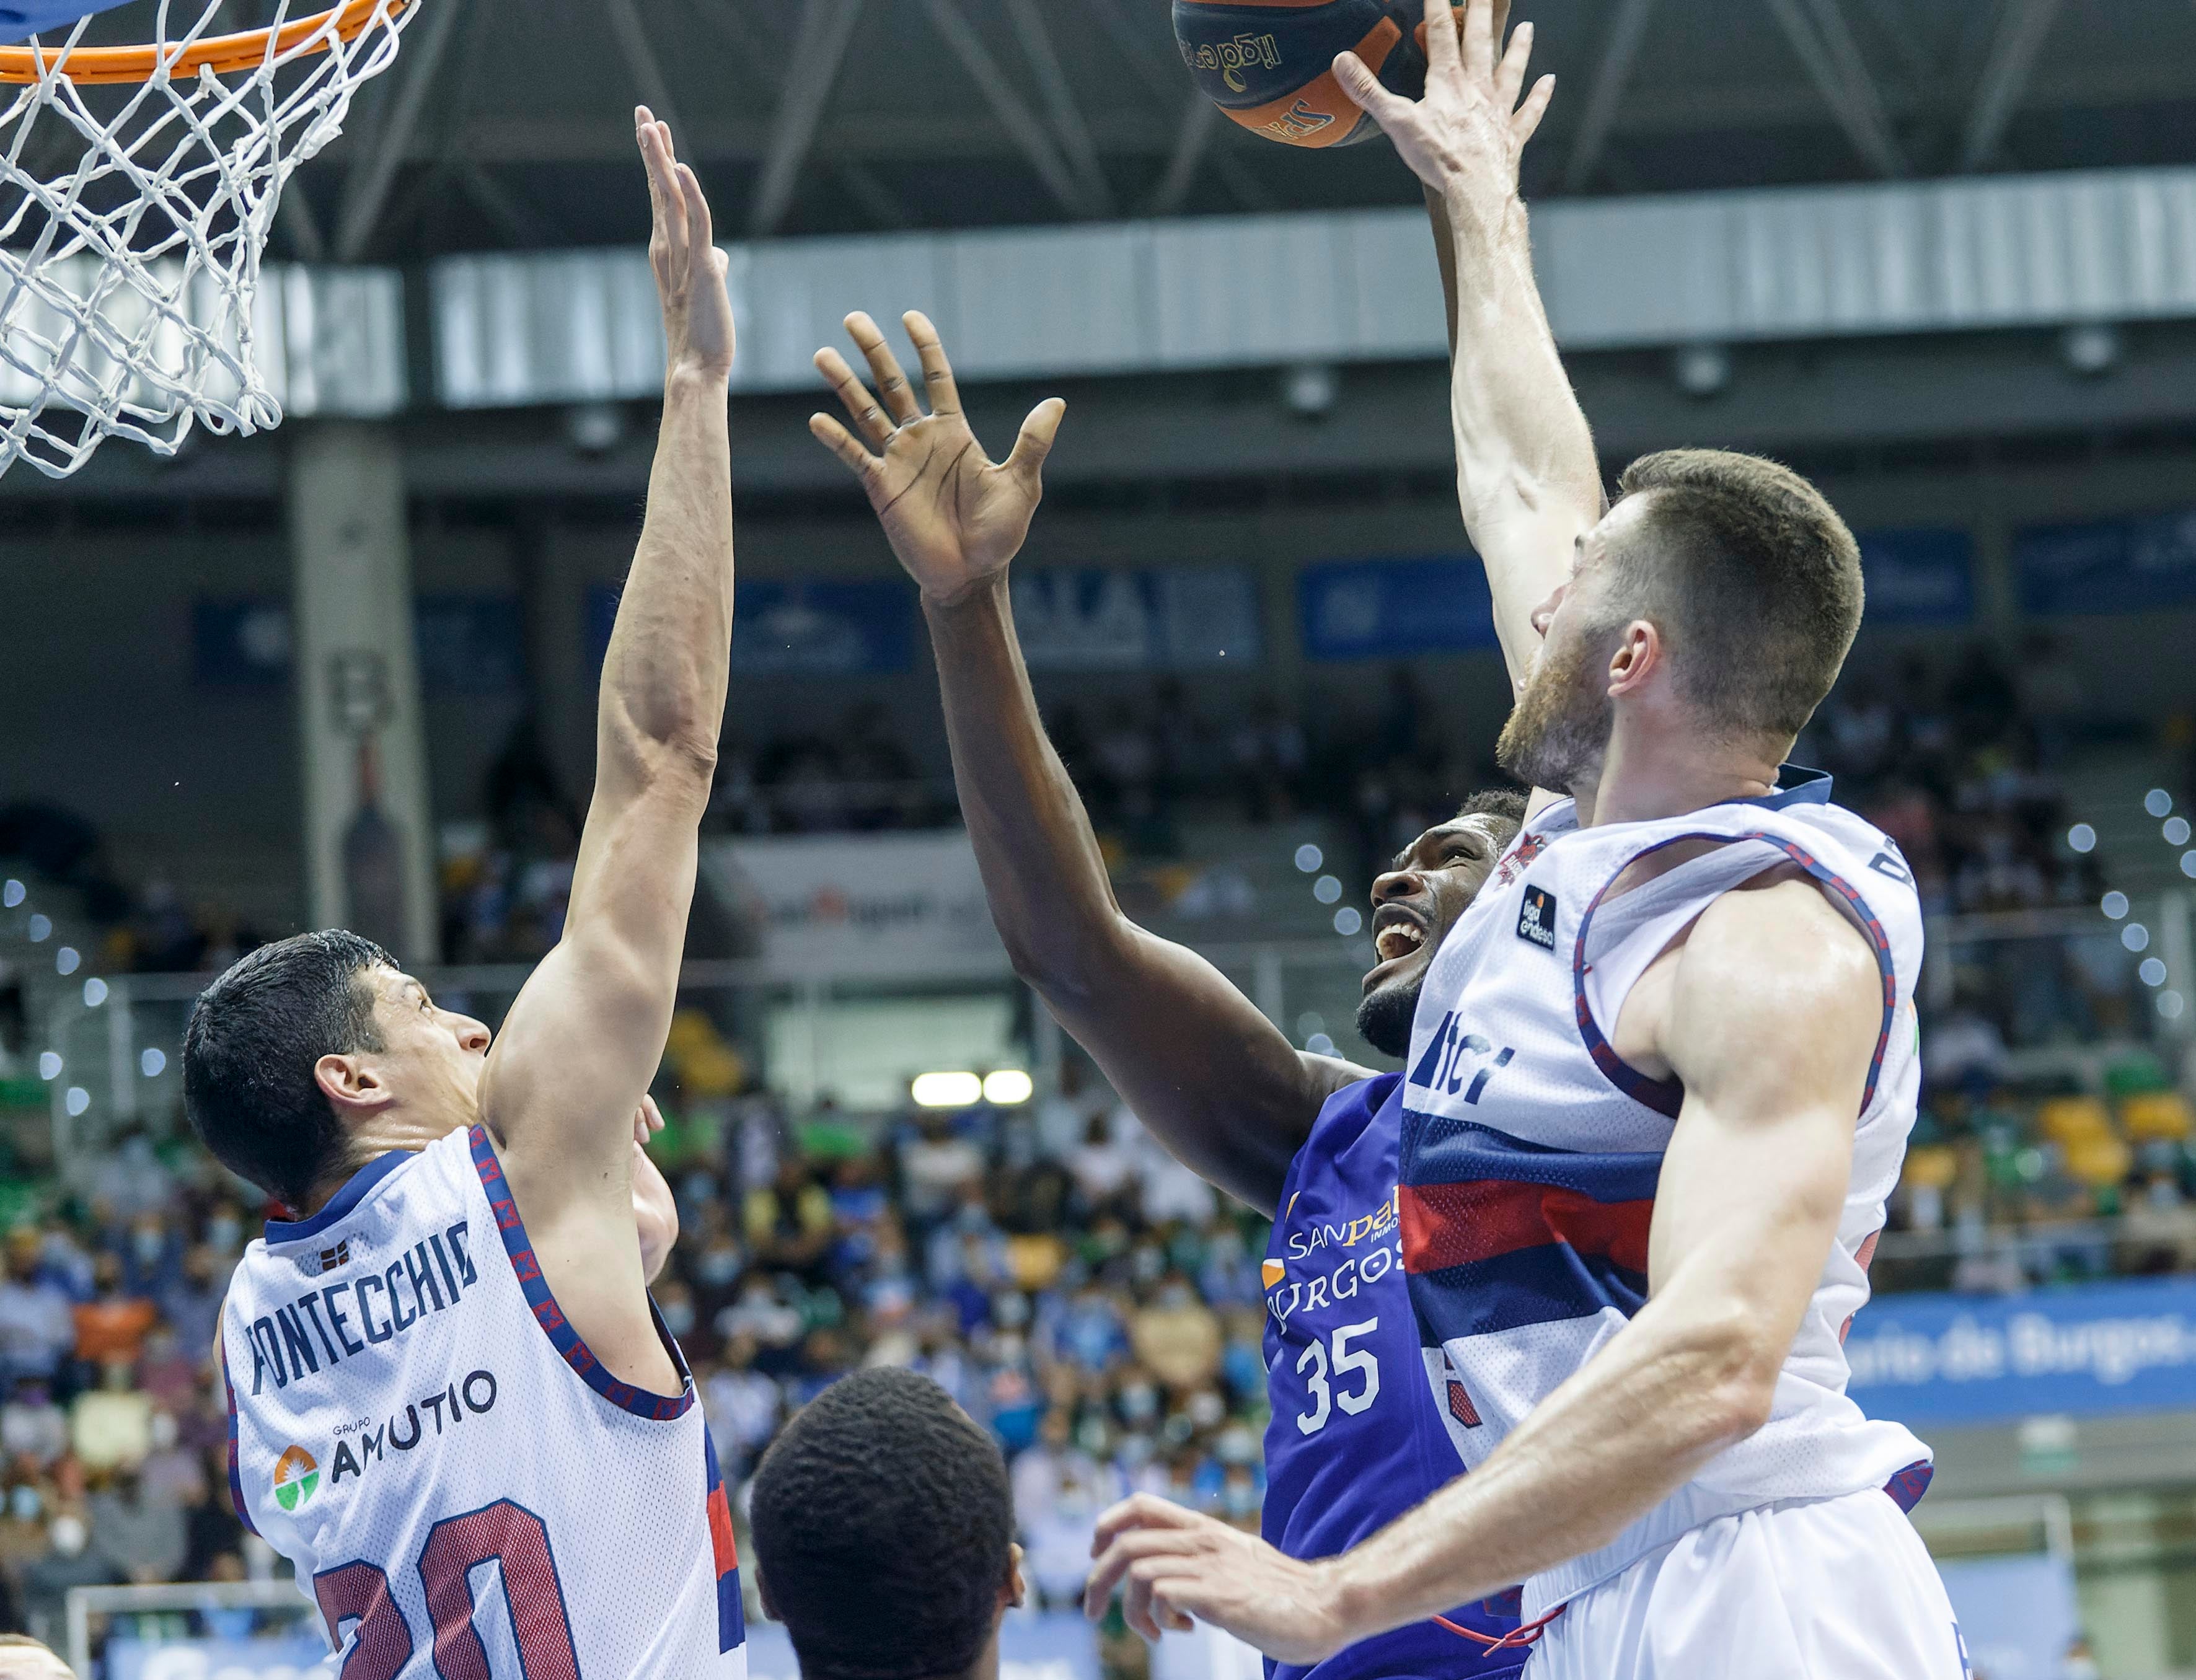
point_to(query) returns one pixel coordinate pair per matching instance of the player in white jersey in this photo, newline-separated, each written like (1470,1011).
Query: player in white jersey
(1663,1072)
(452,1405)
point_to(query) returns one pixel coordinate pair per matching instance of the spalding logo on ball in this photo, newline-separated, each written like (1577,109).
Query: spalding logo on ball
(1269,64)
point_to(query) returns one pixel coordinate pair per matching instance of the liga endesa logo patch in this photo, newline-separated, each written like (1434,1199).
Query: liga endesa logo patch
(1536,919)
(297,1478)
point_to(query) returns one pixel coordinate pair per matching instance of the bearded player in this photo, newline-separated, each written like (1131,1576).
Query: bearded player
(451,1403)
(1661,1074)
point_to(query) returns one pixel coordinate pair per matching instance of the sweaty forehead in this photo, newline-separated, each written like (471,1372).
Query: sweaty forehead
(395,985)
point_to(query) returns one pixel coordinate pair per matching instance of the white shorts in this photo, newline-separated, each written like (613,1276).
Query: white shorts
(1809,1590)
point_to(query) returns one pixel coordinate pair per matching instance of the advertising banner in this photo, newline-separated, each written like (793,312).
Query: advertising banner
(2129,1346)
(861,903)
(2018,1615)
(2113,566)
(1179,619)
(1032,1646)
(817,627)
(1385,608)
(304,1658)
(1919,577)
(467,644)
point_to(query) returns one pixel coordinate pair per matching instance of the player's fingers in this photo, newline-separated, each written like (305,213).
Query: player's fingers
(937,370)
(1137,1609)
(1501,24)
(1167,1617)
(1509,77)
(1034,445)
(841,442)
(1527,122)
(700,226)
(854,397)
(892,388)
(1139,1510)
(1444,55)
(658,173)
(1359,82)
(1115,1564)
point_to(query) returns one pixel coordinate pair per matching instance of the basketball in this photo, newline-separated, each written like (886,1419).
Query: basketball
(1269,64)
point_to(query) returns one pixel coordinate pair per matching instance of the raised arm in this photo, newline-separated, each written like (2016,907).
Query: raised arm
(1526,474)
(586,1035)
(1751,1192)
(1213,1078)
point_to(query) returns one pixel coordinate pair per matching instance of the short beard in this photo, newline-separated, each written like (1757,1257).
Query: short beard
(1558,735)
(1385,1018)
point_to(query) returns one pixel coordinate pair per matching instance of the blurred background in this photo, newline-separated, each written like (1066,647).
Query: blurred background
(1939,254)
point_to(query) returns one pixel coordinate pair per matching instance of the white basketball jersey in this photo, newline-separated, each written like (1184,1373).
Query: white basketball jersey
(1531,1152)
(464,1489)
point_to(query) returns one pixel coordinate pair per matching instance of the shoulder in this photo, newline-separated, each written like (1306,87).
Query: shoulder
(1778,924)
(1773,977)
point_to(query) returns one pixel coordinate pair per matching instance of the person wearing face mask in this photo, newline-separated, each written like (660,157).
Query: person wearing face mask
(70,1560)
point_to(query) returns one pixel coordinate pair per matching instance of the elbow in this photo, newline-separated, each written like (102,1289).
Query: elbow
(1069,962)
(1734,1365)
(673,747)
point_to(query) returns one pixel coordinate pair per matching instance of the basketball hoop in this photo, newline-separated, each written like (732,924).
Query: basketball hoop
(131,223)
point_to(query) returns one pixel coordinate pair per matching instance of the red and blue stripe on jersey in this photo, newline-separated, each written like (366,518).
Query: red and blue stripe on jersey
(1499,1234)
(732,1609)
(1333,1265)
(566,1340)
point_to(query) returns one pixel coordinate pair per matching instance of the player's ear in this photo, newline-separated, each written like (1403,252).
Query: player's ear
(1638,657)
(349,1083)
(1013,1593)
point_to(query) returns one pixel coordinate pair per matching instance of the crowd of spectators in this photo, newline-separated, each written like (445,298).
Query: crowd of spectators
(1087,1298)
(114,1432)
(1090,1301)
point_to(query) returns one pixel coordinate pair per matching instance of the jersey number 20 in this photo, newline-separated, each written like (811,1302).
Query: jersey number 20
(502,1533)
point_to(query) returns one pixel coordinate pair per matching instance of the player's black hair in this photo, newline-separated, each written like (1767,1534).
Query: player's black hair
(883,1531)
(1506,805)
(250,1048)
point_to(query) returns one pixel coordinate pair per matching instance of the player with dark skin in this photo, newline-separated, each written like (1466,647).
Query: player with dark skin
(1196,1059)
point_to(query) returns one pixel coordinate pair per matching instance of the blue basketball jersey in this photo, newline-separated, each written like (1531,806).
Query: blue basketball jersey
(1356,1440)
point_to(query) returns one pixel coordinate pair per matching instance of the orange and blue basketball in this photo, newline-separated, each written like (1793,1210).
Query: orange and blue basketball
(1269,64)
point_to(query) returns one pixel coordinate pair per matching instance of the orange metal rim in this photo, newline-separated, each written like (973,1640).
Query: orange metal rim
(107,66)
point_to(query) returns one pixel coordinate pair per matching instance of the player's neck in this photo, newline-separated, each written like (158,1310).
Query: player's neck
(1646,775)
(392,1130)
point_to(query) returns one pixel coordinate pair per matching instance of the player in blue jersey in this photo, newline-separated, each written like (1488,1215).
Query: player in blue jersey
(1311,1139)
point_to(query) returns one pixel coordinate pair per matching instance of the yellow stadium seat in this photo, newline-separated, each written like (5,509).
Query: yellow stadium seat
(2068,1120)
(1931,1167)
(2158,1117)
(2099,1161)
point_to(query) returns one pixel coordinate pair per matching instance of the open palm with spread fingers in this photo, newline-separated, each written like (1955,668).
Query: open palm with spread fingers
(1473,125)
(955,517)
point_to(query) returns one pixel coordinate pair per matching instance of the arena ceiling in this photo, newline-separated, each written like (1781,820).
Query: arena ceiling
(507,126)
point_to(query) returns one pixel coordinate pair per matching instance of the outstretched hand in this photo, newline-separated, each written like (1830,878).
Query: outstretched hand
(1471,130)
(1172,1565)
(954,517)
(698,332)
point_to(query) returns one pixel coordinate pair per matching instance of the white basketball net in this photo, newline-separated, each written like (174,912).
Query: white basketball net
(132,219)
